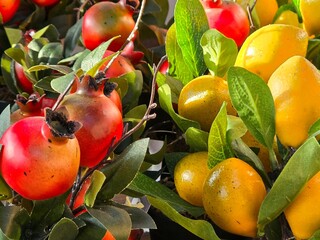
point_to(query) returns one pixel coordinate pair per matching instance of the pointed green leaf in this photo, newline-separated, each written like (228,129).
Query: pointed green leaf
(218,148)
(191,23)
(51,53)
(197,139)
(65,229)
(95,56)
(178,67)
(112,217)
(124,168)
(200,228)
(149,187)
(97,180)
(59,68)
(252,99)
(220,52)
(60,84)
(304,163)
(72,38)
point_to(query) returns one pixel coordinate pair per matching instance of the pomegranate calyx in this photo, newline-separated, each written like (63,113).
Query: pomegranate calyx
(32,103)
(109,87)
(59,125)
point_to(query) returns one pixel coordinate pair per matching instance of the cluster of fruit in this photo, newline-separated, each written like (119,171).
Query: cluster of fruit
(273,57)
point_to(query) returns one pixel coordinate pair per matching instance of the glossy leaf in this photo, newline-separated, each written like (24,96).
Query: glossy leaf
(200,228)
(51,53)
(252,99)
(115,219)
(65,229)
(314,129)
(72,38)
(50,32)
(174,84)
(124,168)
(60,84)
(139,217)
(197,139)
(236,128)
(218,147)
(16,54)
(156,151)
(147,186)
(166,104)
(59,68)
(13,34)
(219,52)
(97,180)
(93,228)
(178,67)
(304,163)
(95,56)
(191,23)
(134,82)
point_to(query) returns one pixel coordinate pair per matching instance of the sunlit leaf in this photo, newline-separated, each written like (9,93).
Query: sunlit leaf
(220,52)
(191,23)
(147,186)
(218,148)
(200,228)
(304,163)
(59,68)
(60,84)
(97,180)
(197,139)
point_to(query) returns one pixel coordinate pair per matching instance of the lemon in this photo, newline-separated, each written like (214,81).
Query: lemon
(189,175)
(232,196)
(200,100)
(268,47)
(295,87)
(288,17)
(310,15)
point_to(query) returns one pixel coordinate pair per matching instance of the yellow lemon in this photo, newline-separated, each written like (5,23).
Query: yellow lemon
(268,47)
(295,87)
(310,15)
(200,100)
(303,213)
(232,196)
(189,175)
(288,17)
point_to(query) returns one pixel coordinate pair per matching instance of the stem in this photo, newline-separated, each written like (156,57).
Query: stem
(249,12)
(130,37)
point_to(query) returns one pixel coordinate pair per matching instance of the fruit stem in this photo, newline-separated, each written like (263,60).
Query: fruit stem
(249,12)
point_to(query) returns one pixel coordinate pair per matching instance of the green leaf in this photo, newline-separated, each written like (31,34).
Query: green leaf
(156,151)
(197,139)
(304,163)
(65,229)
(16,54)
(95,56)
(166,104)
(2,235)
(171,160)
(297,5)
(200,228)
(50,32)
(174,84)
(219,52)
(149,187)
(315,236)
(139,217)
(218,148)
(178,67)
(97,180)
(72,38)
(51,53)
(191,23)
(314,129)
(13,34)
(236,128)
(113,217)
(59,68)
(4,120)
(93,228)
(60,84)
(134,82)
(12,220)
(252,99)
(124,168)
(7,73)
